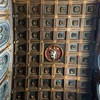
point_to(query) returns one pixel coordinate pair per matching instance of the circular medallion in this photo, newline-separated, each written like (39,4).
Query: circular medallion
(21,8)
(63,9)
(76,9)
(53,53)
(48,9)
(35,9)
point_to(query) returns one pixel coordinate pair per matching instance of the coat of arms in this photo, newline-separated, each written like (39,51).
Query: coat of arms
(53,53)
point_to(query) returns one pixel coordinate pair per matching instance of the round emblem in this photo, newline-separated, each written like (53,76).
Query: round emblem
(53,53)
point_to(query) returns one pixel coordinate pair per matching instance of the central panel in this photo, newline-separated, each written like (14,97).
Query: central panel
(53,49)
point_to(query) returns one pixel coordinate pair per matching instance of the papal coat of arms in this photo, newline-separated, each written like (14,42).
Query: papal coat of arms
(53,53)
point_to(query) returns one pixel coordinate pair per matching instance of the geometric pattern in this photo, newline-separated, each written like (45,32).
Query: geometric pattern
(53,45)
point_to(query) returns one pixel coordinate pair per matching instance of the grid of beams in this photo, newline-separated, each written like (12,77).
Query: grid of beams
(68,24)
